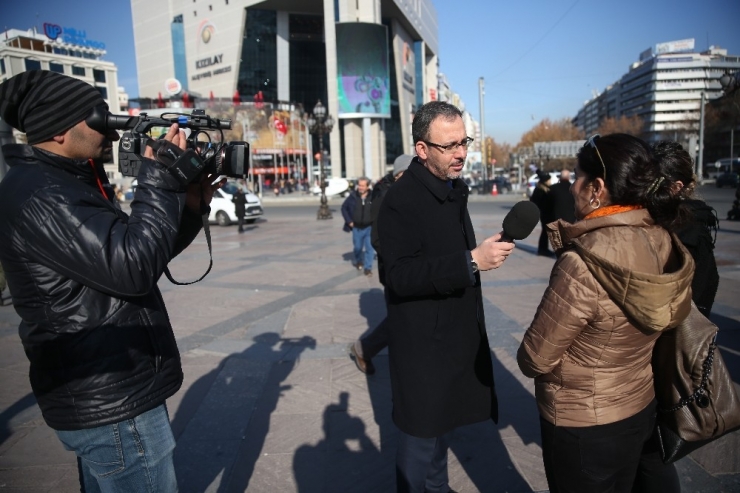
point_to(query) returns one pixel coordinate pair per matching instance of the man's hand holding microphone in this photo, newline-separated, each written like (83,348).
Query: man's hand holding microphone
(518,224)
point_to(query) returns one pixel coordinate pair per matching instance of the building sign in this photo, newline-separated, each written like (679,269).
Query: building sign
(207,62)
(71,36)
(172,86)
(675,46)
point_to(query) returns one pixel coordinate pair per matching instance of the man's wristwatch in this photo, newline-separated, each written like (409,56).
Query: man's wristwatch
(474,265)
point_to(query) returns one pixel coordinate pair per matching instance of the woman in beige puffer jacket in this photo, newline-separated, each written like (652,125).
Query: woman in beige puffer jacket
(621,278)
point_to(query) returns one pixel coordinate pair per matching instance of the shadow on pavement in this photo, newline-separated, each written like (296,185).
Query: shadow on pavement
(6,417)
(345,460)
(223,407)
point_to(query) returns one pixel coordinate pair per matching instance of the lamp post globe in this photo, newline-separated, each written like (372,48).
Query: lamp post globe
(319,123)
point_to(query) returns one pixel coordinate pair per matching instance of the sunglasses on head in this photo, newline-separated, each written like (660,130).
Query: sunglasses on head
(591,142)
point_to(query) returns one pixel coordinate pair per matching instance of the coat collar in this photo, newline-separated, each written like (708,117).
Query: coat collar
(18,153)
(439,188)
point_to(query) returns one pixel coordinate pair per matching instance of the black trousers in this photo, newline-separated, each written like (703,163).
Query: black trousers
(421,464)
(543,246)
(594,459)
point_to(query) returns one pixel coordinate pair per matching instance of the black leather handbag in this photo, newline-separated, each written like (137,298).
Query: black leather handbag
(697,402)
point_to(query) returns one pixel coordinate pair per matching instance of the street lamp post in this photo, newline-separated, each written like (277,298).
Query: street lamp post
(320,123)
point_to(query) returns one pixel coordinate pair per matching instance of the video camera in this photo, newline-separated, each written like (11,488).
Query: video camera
(221,158)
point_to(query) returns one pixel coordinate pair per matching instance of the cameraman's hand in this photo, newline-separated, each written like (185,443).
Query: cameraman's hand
(201,189)
(174,135)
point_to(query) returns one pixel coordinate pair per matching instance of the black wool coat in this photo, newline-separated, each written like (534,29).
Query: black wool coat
(440,361)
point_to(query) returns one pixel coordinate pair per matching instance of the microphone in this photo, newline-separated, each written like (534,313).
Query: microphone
(520,221)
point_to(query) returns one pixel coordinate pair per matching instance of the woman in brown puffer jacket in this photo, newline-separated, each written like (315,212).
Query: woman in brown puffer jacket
(621,278)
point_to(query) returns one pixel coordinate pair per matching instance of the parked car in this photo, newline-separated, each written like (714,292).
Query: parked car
(728,180)
(223,210)
(503,185)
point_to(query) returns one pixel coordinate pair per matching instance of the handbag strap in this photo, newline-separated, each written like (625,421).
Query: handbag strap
(700,395)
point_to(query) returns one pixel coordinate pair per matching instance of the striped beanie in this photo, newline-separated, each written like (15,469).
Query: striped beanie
(44,104)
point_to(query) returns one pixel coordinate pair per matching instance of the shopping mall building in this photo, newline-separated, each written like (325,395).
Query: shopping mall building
(266,64)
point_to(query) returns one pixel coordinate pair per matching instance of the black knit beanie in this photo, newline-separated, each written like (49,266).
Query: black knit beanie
(44,104)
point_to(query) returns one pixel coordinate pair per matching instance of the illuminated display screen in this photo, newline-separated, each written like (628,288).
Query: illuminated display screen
(362,70)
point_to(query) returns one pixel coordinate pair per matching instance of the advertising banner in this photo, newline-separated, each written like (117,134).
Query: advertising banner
(362,70)
(266,129)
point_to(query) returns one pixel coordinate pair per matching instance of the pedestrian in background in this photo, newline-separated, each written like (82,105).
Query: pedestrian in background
(240,205)
(358,218)
(363,350)
(440,360)
(621,278)
(541,198)
(103,357)
(562,203)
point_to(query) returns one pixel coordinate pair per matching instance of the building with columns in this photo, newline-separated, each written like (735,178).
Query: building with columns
(371,63)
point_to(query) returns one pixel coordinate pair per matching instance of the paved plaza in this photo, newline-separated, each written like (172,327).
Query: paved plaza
(271,401)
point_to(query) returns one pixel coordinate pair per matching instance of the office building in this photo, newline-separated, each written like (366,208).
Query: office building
(65,50)
(664,88)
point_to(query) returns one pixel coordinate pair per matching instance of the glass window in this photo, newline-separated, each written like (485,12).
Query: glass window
(2,66)
(307,60)
(103,92)
(99,75)
(258,69)
(78,71)
(33,64)
(56,67)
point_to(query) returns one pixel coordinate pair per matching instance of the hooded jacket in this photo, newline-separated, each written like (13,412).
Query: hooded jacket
(84,279)
(619,281)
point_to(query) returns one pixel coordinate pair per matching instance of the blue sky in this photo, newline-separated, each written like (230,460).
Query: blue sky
(540,58)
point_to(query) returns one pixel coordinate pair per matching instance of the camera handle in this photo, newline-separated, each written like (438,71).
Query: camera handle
(207,230)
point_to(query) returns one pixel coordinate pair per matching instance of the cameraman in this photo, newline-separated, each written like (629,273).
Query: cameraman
(84,279)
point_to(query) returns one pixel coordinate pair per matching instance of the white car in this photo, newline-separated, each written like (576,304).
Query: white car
(223,209)
(533,180)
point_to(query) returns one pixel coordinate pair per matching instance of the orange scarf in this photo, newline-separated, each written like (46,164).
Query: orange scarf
(608,210)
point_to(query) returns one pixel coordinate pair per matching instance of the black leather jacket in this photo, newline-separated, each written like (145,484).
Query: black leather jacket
(84,280)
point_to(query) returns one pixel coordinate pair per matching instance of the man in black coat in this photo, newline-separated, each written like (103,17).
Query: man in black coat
(103,356)
(440,362)
(562,204)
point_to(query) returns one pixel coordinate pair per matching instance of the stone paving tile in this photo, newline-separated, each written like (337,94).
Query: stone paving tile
(47,478)
(39,447)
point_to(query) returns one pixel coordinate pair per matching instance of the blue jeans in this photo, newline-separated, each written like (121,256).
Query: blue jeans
(360,239)
(131,455)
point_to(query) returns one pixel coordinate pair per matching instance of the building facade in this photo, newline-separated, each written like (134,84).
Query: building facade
(371,63)
(664,88)
(65,50)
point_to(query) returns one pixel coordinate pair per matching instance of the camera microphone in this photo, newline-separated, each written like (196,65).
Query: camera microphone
(520,221)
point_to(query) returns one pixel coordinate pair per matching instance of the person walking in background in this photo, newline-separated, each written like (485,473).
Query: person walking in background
(363,350)
(561,200)
(541,198)
(240,205)
(440,361)
(103,357)
(621,278)
(358,218)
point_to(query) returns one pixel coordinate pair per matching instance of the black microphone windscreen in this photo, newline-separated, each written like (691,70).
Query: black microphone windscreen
(521,220)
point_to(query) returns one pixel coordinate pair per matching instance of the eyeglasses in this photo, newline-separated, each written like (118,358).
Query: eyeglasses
(592,143)
(451,148)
